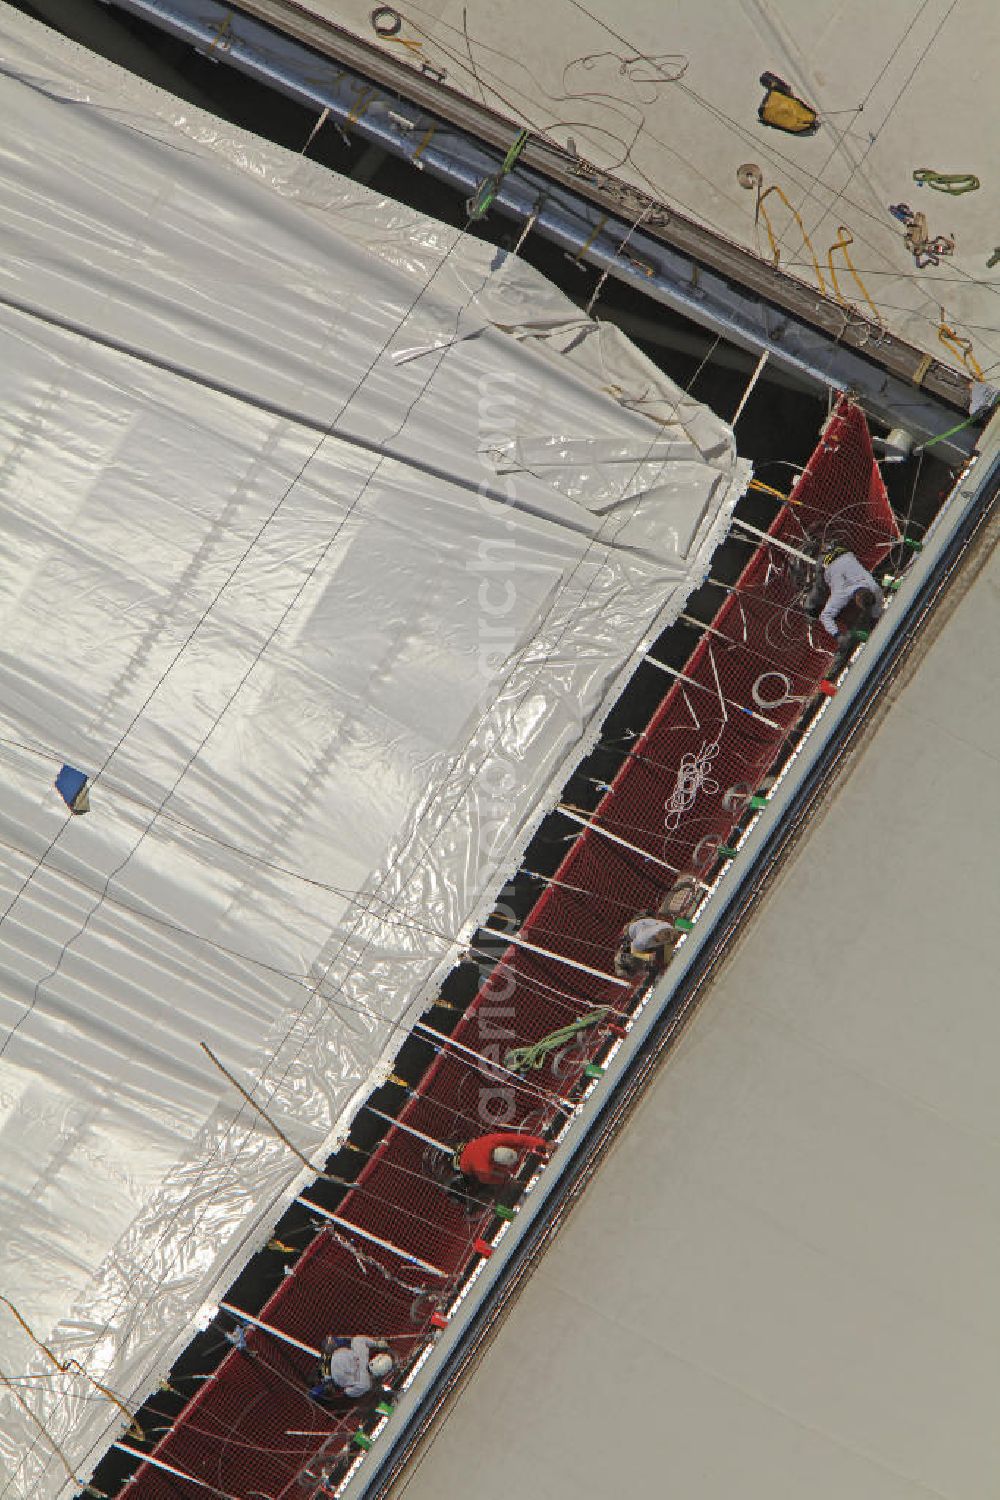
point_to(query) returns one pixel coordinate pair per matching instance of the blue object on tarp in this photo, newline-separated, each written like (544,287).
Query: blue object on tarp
(71,785)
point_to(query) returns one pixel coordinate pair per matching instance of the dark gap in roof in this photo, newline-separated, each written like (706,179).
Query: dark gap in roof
(777,431)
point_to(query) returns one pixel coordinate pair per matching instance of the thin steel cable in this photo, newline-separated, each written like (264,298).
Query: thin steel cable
(639,463)
(816,178)
(892,107)
(362,492)
(459,236)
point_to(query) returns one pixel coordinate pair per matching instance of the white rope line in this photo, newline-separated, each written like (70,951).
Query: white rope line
(694,776)
(520,942)
(277,1333)
(718,685)
(571,812)
(373,1239)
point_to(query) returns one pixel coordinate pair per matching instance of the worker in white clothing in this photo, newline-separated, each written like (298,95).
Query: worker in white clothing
(348,1367)
(645,945)
(844,581)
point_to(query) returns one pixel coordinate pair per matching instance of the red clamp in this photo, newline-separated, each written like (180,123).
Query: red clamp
(482,1247)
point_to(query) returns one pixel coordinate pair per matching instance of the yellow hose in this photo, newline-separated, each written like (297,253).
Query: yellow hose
(846,238)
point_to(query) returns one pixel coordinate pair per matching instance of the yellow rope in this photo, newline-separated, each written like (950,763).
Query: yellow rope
(65,1366)
(757,484)
(364,99)
(768,489)
(920,372)
(592,236)
(282,1137)
(46,1434)
(775,251)
(960,346)
(221,33)
(846,238)
(750,176)
(425,141)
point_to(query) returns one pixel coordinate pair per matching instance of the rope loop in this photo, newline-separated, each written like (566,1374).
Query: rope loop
(946,182)
(693,776)
(786,690)
(386,21)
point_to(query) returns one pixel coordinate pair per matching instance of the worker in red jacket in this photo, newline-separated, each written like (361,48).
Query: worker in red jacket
(491,1160)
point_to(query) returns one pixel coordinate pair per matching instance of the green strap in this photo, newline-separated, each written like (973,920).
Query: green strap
(940,439)
(946,182)
(483,197)
(527,1059)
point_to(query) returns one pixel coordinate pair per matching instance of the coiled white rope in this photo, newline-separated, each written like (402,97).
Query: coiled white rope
(693,776)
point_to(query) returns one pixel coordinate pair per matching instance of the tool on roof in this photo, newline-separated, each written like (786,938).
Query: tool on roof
(782,109)
(925,250)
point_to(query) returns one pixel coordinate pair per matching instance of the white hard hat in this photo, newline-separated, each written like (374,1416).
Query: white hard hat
(380,1365)
(504,1156)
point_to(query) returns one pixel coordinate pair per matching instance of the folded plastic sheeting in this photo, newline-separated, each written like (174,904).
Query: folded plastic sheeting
(328,535)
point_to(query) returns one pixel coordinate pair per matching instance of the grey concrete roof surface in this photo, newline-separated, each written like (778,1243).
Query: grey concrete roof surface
(783,1280)
(665,96)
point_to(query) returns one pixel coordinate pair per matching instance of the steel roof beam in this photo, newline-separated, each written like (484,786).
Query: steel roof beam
(751,305)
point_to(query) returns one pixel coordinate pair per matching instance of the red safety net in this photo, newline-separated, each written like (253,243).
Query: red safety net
(252,1430)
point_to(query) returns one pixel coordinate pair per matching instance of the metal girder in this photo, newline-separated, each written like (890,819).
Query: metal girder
(706,246)
(591,216)
(678,992)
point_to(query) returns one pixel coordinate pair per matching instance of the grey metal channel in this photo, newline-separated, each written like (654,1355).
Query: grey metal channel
(567,219)
(672,1001)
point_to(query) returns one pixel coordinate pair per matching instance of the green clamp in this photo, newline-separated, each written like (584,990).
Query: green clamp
(683,924)
(502,1211)
(361,1440)
(727,851)
(593,1070)
(859,635)
(477,206)
(483,197)
(520,141)
(385,1408)
(913,544)
(757,802)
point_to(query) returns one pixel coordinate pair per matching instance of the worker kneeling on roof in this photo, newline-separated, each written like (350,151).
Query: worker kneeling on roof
(645,946)
(842,580)
(348,1367)
(491,1160)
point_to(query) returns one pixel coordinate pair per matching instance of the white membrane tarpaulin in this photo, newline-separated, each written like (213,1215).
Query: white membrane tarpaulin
(329,534)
